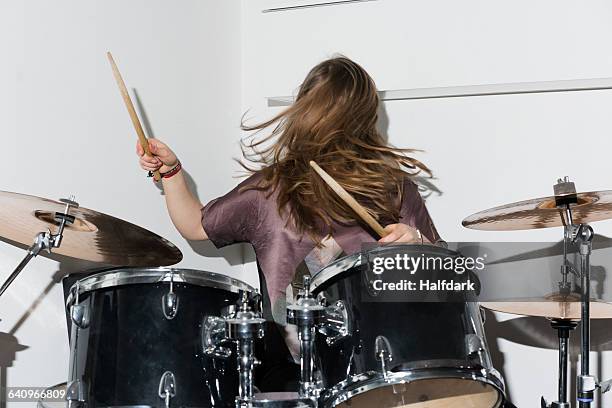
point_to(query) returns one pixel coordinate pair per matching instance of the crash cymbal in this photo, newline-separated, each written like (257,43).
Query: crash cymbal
(542,213)
(554,306)
(93,236)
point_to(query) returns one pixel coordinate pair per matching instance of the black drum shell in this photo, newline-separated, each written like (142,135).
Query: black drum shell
(422,335)
(129,344)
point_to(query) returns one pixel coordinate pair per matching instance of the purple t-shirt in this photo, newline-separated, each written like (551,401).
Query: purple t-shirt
(252,216)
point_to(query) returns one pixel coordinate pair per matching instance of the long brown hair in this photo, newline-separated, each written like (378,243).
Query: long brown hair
(332,121)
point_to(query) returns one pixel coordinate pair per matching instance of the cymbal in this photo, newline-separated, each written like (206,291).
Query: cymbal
(93,236)
(553,306)
(542,213)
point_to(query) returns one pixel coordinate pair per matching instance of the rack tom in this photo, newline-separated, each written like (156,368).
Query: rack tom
(400,354)
(138,339)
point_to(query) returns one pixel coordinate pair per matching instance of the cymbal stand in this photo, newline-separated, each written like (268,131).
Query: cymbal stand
(565,197)
(563,327)
(44,241)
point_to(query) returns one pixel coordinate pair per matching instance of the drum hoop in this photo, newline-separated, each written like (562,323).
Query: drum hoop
(351,261)
(129,276)
(362,383)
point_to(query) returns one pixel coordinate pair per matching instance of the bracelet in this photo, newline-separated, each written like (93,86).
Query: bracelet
(170,172)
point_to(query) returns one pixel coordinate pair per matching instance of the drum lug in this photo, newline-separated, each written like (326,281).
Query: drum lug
(170,301)
(475,348)
(80,315)
(75,393)
(167,387)
(382,349)
(483,315)
(214,337)
(335,325)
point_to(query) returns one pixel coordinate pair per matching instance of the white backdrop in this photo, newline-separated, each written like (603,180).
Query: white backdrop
(198,65)
(64,130)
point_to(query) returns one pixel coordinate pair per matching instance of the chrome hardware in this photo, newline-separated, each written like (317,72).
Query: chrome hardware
(382,349)
(483,315)
(44,241)
(214,336)
(170,301)
(75,393)
(605,386)
(306,314)
(555,404)
(245,328)
(335,325)
(475,349)
(80,315)
(167,387)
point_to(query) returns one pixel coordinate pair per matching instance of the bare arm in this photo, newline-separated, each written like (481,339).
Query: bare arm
(184,208)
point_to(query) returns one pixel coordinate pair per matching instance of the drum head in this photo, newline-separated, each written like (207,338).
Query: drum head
(429,393)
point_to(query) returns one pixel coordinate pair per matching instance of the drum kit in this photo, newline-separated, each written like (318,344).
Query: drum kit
(144,334)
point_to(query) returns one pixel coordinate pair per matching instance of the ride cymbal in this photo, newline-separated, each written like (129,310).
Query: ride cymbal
(93,236)
(542,213)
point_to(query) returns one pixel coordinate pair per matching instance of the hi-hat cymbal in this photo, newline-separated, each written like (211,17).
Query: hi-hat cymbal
(93,236)
(542,213)
(553,306)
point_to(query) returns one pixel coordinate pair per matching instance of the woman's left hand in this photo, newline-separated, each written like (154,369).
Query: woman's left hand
(402,233)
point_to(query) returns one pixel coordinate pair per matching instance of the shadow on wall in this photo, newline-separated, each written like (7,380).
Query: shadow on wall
(9,341)
(235,254)
(426,184)
(537,332)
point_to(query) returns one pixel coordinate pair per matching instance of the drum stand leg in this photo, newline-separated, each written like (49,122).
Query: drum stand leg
(306,314)
(563,328)
(244,329)
(586,383)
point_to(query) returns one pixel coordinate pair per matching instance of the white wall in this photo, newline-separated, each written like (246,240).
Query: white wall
(64,130)
(198,64)
(485,151)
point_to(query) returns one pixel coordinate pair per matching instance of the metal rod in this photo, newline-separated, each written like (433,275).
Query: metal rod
(41,241)
(563,328)
(246,369)
(306,337)
(585,381)
(16,272)
(562,368)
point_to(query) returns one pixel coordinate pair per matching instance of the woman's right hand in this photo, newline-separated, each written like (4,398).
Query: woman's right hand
(162,158)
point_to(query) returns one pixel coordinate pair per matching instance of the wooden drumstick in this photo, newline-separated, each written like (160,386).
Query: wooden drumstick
(130,107)
(348,199)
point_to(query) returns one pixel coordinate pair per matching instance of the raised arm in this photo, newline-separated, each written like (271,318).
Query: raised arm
(184,208)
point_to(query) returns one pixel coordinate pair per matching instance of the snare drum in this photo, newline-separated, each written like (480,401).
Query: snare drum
(137,339)
(401,354)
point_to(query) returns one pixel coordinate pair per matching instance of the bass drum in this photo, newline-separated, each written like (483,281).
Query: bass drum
(401,354)
(139,335)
